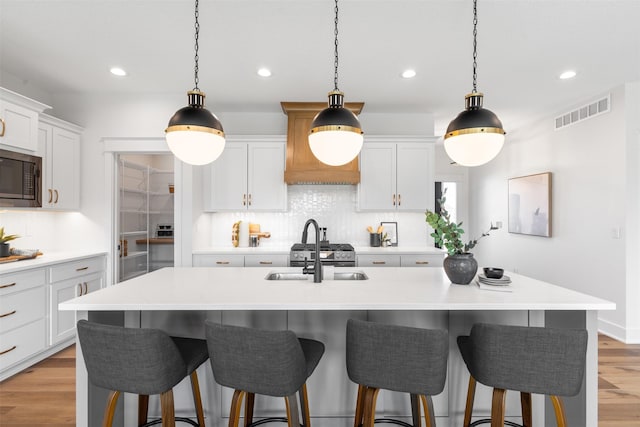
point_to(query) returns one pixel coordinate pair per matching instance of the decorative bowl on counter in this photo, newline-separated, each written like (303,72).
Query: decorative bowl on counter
(493,272)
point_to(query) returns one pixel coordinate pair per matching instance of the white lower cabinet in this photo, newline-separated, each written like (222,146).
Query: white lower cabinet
(421,260)
(383,260)
(237,260)
(266,260)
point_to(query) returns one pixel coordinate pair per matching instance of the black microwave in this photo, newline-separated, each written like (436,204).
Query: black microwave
(20,180)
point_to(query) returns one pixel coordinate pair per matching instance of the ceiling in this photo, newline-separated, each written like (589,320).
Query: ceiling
(68,46)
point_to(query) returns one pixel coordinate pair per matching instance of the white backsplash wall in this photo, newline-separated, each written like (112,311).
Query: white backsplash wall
(333,206)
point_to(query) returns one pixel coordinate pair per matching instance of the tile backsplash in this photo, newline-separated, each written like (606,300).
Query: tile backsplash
(333,206)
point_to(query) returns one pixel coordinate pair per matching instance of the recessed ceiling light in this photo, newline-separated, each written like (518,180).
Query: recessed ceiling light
(264,72)
(117,71)
(408,74)
(568,75)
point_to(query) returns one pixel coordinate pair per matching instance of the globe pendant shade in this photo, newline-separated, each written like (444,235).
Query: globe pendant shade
(195,135)
(335,137)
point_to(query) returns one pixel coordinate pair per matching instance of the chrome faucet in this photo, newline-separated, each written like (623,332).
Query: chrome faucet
(317,265)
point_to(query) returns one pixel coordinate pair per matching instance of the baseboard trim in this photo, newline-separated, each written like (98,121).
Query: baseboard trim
(627,336)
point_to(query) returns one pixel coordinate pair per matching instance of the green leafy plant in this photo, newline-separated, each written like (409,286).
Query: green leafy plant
(4,238)
(449,234)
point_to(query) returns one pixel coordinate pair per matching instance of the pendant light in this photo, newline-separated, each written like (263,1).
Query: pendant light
(335,137)
(194,134)
(476,136)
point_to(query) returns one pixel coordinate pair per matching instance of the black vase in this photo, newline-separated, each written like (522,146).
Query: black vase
(4,249)
(460,268)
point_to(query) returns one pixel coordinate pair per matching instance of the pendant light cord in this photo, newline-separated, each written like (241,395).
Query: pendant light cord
(197,28)
(335,62)
(475,46)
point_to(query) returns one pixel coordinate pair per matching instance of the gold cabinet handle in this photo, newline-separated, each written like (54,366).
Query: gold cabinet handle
(422,262)
(8,286)
(79,289)
(82,268)
(222,262)
(3,127)
(379,262)
(56,192)
(86,288)
(249,199)
(399,199)
(266,262)
(50,195)
(8,314)
(7,351)
(394,200)
(244,199)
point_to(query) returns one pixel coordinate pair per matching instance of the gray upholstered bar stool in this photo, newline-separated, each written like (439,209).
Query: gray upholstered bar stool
(144,362)
(397,358)
(526,359)
(254,361)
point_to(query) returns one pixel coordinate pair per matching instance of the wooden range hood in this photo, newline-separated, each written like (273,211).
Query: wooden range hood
(302,166)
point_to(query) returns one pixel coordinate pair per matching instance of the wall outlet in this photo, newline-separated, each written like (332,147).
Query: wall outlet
(616,233)
(499,224)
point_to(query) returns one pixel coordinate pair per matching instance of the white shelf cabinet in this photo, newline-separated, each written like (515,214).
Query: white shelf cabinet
(19,121)
(247,176)
(396,176)
(59,142)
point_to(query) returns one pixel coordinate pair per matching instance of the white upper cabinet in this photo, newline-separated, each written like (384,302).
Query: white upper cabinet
(59,142)
(247,176)
(19,121)
(396,176)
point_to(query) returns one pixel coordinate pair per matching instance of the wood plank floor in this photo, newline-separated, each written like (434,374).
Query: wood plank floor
(44,395)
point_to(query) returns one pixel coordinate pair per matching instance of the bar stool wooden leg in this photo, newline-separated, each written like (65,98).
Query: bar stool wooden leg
(415,410)
(197,399)
(371,396)
(525,403)
(498,407)
(304,405)
(429,416)
(468,410)
(292,411)
(558,407)
(168,410)
(248,409)
(143,409)
(357,421)
(112,401)
(236,404)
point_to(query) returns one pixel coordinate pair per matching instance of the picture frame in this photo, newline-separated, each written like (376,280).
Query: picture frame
(530,205)
(391,229)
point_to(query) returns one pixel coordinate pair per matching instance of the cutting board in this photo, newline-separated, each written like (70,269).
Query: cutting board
(12,258)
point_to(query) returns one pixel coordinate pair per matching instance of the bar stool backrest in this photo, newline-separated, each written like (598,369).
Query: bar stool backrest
(141,361)
(398,358)
(530,359)
(264,362)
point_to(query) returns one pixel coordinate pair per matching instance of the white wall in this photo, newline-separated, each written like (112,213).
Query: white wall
(589,200)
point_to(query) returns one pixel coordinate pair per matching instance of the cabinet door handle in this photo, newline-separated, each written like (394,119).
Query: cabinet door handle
(379,262)
(86,288)
(3,127)
(394,200)
(56,200)
(50,195)
(399,199)
(82,268)
(422,262)
(249,199)
(79,289)
(7,351)
(222,262)
(8,314)
(8,286)
(266,262)
(244,200)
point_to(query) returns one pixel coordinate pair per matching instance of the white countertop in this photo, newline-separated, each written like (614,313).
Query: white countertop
(390,288)
(285,250)
(46,259)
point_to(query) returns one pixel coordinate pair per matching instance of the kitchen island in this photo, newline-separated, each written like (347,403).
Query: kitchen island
(179,299)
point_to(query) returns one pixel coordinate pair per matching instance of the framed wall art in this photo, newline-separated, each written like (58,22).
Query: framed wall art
(530,205)
(391,230)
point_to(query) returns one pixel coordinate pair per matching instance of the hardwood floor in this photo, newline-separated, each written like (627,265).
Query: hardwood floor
(44,395)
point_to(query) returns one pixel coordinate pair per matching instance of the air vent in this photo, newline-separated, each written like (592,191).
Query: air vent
(584,112)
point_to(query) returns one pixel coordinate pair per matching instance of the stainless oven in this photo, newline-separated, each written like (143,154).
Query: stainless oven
(20,180)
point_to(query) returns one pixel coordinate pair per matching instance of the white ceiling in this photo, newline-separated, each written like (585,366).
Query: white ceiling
(68,46)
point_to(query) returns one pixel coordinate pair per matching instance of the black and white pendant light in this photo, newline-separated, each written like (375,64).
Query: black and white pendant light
(476,135)
(336,136)
(194,134)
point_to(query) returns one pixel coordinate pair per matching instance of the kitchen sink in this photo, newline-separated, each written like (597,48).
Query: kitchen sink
(297,275)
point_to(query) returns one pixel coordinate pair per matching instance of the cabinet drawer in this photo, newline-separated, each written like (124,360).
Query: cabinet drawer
(20,343)
(431,260)
(21,308)
(266,260)
(21,281)
(78,268)
(378,260)
(218,260)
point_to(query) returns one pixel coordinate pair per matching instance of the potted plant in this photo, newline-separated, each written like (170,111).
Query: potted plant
(459,265)
(4,238)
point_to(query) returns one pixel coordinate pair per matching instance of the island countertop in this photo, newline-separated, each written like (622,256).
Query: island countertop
(391,288)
